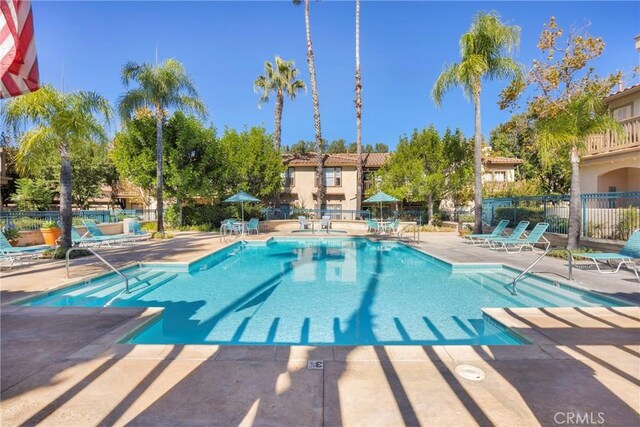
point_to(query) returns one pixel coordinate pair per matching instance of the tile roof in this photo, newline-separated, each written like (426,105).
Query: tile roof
(369,160)
(491,160)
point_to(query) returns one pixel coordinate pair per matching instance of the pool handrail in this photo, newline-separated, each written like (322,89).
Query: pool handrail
(104,261)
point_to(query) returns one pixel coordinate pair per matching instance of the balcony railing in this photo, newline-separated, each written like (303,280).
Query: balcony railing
(609,141)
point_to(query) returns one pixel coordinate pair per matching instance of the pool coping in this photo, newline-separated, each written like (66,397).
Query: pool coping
(112,344)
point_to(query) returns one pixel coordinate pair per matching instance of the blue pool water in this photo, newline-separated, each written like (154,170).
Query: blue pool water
(322,292)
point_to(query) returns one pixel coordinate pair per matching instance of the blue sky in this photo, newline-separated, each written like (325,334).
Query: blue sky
(224,45)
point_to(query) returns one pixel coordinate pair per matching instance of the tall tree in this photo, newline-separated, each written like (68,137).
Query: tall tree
(568,105)
(316,105)
(484,52)
(358,102)
(58,122)
(159,87)
(281,79)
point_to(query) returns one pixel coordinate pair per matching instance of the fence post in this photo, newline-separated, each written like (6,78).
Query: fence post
(583,201)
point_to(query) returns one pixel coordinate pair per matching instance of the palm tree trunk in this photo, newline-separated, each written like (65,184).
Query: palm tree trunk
(358,113)
(277,127)
(430,209)
(65,196)
(316,108)
(477,160)
(159,180)
(573,234)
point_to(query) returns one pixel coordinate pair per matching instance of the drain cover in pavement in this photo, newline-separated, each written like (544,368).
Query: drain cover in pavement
(470,372)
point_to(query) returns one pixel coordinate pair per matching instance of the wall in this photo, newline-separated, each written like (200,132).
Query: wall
(34,237)
(593,169)
(304,187)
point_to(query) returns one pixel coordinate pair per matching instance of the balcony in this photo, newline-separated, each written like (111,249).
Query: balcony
(609,142)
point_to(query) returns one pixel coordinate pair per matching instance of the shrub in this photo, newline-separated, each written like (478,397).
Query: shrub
(33,195)
(49,224)
(466,218)
(61,253)
(517,214)
(561,253)
(11,233)
(557,224)
(27,223)
(211,215)
(629,220)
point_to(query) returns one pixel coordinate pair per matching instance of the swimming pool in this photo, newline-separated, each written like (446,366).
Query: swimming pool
(331,291)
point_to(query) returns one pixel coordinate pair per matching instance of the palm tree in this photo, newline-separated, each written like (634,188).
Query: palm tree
(280,79)
(358,113)
(316,105)
(58,122)
(566,132)
(160,87)
(484,54)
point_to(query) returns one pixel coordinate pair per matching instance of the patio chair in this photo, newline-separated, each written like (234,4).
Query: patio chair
(11,254)
(253,226)
(304,222)
(392,227)
(535,237)
(517,233)
(325,222)
(629,251)
(78,240)
(229,226)
(482,238)
(373,226)
(94,230)
(137,231)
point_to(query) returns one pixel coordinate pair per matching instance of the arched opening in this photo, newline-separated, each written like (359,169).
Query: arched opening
(622,179)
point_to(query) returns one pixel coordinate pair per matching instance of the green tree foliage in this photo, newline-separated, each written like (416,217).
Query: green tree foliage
(250,163)
(337,146)
(57,122)
(161,87)
(33,194)
(134,151)
(485,54)
(281,79)
(191,159)
(427,168)
(567,105)
(380,148)
(515,138)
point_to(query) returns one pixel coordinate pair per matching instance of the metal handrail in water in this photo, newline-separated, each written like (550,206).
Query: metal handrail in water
(104,261)
(526,270)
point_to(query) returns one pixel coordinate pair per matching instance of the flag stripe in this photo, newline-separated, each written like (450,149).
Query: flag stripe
(18,60)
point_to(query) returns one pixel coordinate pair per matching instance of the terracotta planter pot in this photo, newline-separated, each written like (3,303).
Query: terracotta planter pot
(13,242)
(463,232)
(50,235)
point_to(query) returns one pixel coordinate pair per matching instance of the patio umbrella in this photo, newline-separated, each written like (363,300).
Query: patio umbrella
(381,198)
(241,197)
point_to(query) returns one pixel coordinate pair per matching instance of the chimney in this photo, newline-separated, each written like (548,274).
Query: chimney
(638,42)
(620,85)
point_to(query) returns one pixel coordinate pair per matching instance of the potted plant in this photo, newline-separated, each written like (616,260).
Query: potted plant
(464,230)
(12,234)
(50,231)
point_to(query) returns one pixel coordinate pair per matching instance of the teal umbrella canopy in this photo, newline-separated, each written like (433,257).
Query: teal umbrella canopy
(381,197)
(241,197)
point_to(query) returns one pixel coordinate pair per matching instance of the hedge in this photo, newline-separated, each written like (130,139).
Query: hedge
(533,215)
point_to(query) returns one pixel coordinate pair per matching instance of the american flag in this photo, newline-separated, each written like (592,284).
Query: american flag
(18,61)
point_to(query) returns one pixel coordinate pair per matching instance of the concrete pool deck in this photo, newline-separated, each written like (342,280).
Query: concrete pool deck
(60,366)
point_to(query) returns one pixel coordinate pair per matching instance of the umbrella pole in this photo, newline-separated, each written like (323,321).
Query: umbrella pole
(242,207)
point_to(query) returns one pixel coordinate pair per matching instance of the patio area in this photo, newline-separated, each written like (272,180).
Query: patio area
(62,366)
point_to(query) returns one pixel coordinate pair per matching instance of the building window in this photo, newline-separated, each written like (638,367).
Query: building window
(623,113)
(499,176)
(289,177)
(332,177)
(333,210)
